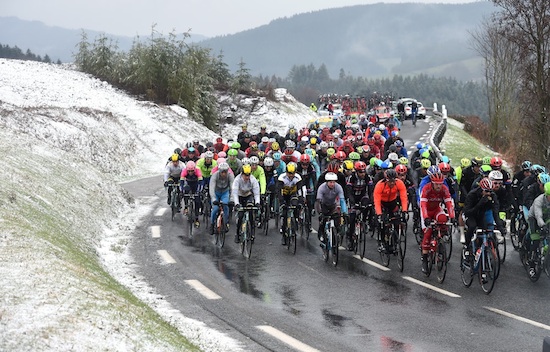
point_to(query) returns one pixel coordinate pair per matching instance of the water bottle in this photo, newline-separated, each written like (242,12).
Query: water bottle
(478,254)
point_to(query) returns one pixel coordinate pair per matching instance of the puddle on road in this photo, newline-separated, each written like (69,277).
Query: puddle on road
(344,325)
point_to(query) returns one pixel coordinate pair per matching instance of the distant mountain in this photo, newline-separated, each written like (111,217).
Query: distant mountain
(364,40)
(58,43)
(372,41)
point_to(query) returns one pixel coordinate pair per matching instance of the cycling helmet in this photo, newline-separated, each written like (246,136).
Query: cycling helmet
(401,169)
(275,146)
(394,133)
(175,157)
(377,136)
(465,162)
(254,160)
(547,188)
(386,165)
(196,141)
(305,158)
(437,177)
(381,127)
(433,170)
(277,156)
(245,161)
(444,167)
(221,160)
(486,184)
(247,135)
(223,167)
(331,176)
(526,165)
(247,169)
(476,161)
(313,141)
(496,162)
(291,167)
(425,154)
(340,155)
(177,151)
(219,140)
(537,169)
(398,143)
(544,178)
(445,159)
(333,167)
(232,152)
(304,139)
(268,161)
(359,150)
(349,132)
(265,139)
(323,144)
(261,155)
(313,133)
(191,149)
(390,174)
(330,152)
(393,157)
(290,143)
(188,144)
(348,165)
(403,160)
(253,145)
(425,163)
(236,145)
(372,161)
(288,151)
(360,166)
(496,175)
(209,155)
(486,160)
(419,145)
(190,165)
(222,154)
(354,156)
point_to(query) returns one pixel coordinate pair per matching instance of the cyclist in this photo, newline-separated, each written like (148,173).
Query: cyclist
(307,171)
(234,163)
(389,194)
(172,173)
(539,222)
(206,164)
(259,174)
(330,200)
(481,210)
(191,183)
(220,190)
(358,191)
(245,190)
(433,194)
(466,180)
(289,189)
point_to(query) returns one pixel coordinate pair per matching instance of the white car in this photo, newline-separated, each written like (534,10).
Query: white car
(420,113)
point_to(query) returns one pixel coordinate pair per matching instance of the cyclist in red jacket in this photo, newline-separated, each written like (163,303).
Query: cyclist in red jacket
(433,194)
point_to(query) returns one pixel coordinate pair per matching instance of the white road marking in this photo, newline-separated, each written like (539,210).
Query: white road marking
(431,287)
(314,231)
(161,211)
(203,290)
(517,317)
(155,231)
(370,262)
(166,257)
(289,340)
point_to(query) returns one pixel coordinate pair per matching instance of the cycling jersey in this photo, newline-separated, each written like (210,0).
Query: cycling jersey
(383,193)
(291,186)
(206,169)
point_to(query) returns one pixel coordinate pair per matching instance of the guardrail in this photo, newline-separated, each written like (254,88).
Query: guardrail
(439,131)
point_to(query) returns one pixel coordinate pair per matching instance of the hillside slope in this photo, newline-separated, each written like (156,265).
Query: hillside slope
(66,140)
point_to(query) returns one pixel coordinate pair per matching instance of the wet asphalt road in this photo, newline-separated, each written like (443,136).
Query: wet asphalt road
(356,306)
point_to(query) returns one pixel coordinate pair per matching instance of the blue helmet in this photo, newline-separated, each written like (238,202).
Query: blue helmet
(432,170)
(544,178)
(277,156)
(445,159)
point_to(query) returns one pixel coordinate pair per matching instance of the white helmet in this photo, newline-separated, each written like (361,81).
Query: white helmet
(268,161)
(245,161)
(254,160)
(313,133)
(265,139)
(496,175)
(381,127)
(323,144)
(331,176)
(393,157)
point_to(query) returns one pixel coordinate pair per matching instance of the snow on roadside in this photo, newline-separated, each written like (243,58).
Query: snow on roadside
(78,123)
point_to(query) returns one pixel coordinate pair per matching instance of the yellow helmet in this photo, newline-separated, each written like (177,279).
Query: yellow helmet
(275,146)
(348,165)
(175,157)
(291,167)
(330,151)
(425,163)
(313,141)
(247,169)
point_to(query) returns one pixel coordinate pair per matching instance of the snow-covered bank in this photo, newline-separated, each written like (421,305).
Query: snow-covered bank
(66,140)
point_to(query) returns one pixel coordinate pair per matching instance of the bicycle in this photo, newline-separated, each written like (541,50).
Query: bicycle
(501,241)
(291,224)
(221,227)
(246,230)
(518,228)
(175,198)
(191,211)
(304,218)
(538,256)
(329,243)
(266,211)
(360,232)
(438,253)
(485,263)
(206,204)
(392,239)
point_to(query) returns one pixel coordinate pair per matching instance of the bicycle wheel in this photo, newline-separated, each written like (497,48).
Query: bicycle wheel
(402,248)
(247,241)
(501,247)
(277,211)
(431,260)
(546,265)
(385,253)
(523,254)
(448,239)
(363,239)
(174,203)
(191,216)
(292,237)
(514,232)
(308,222)
(467,271)
(335,245)
(356,237)
(488,269)
(222,229)
(441,261)
(267,214)
(417,230)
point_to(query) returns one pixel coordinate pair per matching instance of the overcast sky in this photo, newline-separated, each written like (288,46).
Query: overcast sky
(206,17)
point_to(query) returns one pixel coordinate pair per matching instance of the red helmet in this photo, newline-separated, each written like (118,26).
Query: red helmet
(330,137)
(333,167)
(437,177)
(444,167)
(349,132)
(401,169)
(486,184)
(305,158)
(340,155)
(359,166)
(219,140)
(366,148)
(288,151)
(496,161)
